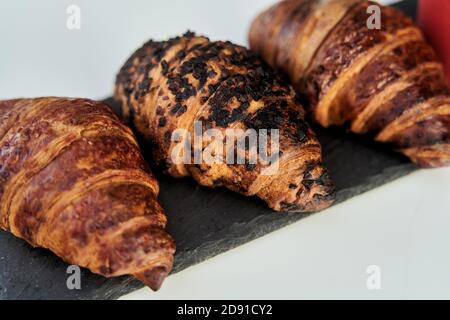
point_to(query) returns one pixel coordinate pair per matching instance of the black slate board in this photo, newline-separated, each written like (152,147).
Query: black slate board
(204,222)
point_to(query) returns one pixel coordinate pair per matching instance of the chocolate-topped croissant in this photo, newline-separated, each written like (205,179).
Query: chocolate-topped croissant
(385,82)
(189,83)
(72,179)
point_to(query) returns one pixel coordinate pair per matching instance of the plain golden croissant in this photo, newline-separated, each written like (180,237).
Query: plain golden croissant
(383,82)
(72,180)
(171,85)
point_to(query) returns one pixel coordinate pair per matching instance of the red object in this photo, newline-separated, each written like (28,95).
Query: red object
(434,19)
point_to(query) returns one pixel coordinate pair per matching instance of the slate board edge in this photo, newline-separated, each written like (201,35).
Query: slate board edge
(233,240)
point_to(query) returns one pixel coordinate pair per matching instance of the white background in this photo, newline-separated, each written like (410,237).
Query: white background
(402,227)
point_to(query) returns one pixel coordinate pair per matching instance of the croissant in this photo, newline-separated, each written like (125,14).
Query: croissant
(386,83)
(72,180)
(190,80)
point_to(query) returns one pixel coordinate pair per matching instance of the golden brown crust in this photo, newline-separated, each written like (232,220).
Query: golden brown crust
(292,28)
(169,85)
(73,181)
(367,78)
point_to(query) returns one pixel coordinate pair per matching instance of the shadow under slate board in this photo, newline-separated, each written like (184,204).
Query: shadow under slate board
(204,222)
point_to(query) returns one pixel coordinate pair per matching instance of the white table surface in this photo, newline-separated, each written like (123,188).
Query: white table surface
(402,227)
